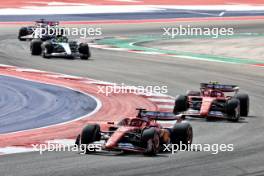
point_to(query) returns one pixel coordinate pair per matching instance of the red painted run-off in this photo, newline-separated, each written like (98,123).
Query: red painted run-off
(19,3)
(114,108)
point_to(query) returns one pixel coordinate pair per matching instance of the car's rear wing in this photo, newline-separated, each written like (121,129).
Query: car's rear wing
(157,115)
(50,23)
(221,87)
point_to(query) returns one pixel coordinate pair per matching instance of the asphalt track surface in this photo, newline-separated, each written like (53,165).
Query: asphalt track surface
(26,105)
(137,69)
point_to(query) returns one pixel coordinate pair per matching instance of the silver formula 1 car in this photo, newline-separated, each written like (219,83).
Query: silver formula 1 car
(60,47)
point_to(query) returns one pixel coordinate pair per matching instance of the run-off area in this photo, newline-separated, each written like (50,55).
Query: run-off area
(27,105)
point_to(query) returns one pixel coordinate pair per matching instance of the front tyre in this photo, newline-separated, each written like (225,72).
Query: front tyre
(244,103)
(84,51)
(182,133)
(47,49)
(233,110)
(35,47)
(90,133)
(151,140)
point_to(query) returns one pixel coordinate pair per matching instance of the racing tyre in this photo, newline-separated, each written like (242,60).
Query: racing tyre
(78,140)
(22,32)
(244,103)
(151,141)
(90,133)
(84,51)
(182,133)
(181,104)
(233,109)
(35,47)
(46,50)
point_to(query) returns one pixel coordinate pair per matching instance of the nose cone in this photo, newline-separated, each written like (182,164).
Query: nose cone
(206,105)
(110,144)
(115,138)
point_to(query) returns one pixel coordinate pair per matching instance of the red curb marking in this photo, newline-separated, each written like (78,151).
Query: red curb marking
(20,3)
(171,20)
(259,65)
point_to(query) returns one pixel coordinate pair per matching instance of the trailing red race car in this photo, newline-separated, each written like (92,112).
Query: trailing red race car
(38,31)
(142,134)
(211,102)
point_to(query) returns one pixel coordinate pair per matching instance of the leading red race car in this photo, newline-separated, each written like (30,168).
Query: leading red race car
(211,101)
(142,134)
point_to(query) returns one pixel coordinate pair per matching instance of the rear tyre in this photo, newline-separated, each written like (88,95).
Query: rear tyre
(182,133)
(181,104)
(84,51)
(244,104)
(151,141)
(35,47)
(22,32)
(233,109)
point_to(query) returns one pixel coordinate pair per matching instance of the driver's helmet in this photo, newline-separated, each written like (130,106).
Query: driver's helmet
(215,93)
(206,93)
(61,39)
(136,122)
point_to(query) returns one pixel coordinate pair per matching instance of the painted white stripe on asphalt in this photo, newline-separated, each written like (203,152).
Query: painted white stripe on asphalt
(8,66)
(11,150)
(65,142)
(150,94)
(65,76)
(199,58)
(162,100)
(29,70)
(99,46)
(117,49)
(149,52)
(165,106)
(100,82)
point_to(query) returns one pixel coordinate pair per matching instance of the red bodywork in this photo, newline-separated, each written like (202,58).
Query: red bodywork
(208,97)
(209,102)
(115,133)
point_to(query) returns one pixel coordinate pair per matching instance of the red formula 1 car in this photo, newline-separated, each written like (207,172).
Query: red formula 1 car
(142,134)
(211,102)
(37,31)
